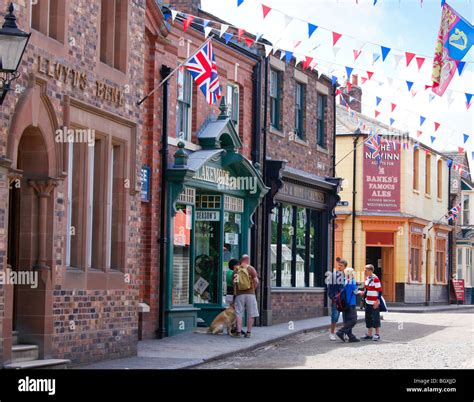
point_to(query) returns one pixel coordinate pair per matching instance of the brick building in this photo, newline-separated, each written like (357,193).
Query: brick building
(69,187)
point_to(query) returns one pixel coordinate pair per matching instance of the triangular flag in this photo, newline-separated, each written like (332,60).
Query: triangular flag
(265,10)
(393,106)
(375,57)
(333,80)
(370,74)
(307,62)
(460,150)
(433,139)
(287,21)
(390,81)
(466,137)
(349,72)
(311,29)
(392,121)
(436,126)
(377,100)
(356,54)
(375,2)
(248,41)
(419,133)
(363,80)
(419,62)
(288,56)
(397,58)
(428,86)
(422,120)
(377,113)
(335,50)
(239,2)
(431,96)
(335,37)
(268,49)
(224,28)
(385,52)
(240,33)
(468,98)
(409,84)
(207,31)
(187,22)
(227,37)
(413,93)
(409,56)
(174,13)
(348,86)
(461,65)
(468,105)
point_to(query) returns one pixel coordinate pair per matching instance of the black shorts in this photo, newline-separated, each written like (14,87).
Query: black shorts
(372,316)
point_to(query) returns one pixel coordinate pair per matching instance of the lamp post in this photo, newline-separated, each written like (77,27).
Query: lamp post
(13,43)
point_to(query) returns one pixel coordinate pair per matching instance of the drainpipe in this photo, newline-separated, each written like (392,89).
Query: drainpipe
(450,236)
(354,193)
(333,223)
(161,331)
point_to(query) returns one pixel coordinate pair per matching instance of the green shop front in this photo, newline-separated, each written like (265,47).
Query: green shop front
(212,196)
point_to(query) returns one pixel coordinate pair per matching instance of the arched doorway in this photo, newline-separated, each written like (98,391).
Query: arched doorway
(30,240)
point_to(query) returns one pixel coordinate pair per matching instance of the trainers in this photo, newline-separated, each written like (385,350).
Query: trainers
(332,337)
(354,339)
(248,334)
(341,336)
(366,337)
(376,337)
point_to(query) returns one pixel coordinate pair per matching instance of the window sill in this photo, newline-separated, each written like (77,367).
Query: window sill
(112,73)
(43,41)
(428,196)
(439,199)
(275,131)
(321,149)
(298,290)
(300,141)
(416,191)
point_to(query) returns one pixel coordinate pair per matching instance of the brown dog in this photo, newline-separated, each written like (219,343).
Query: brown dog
(226,319)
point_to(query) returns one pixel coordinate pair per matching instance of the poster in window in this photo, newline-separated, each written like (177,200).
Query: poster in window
(182,235)
(381,181)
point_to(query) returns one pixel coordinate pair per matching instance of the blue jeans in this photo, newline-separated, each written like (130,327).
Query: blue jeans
(335,314)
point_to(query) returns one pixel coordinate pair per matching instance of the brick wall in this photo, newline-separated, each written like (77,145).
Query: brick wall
(292,306)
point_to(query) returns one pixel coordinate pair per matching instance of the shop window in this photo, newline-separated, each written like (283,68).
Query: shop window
(183,105)
(415,257)
(428,174)
(416,169)
(182,235)
(295,248)
(113,33)
(459,261)
(275,98)
(321,120)
(188,195)
(440,179)
(233,104)
(233,204)
(208,201)
(47,17)
(465,210)
(299,109)
(441,260)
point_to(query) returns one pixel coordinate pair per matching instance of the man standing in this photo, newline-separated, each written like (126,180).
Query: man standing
(349,315)
(334,287)
(372,294)
(245,282)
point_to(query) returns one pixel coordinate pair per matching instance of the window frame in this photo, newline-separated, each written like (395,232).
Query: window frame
(233,103)
(416,247)
(275,101)
(416,169)
(300,106)
(321,135)
(440,179)
(428,174)
(46,20)
(466,211)
(184,103)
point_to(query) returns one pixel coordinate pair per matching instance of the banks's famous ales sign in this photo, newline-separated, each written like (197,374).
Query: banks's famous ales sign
(381,177)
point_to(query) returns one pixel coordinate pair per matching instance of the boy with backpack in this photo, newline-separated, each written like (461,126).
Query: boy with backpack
(334,287)
(346,301)
(245,282)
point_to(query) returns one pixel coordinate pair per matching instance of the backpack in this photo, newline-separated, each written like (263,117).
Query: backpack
(342,303)
(242,279)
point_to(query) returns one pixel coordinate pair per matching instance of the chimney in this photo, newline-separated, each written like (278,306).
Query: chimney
(352,94)
(187,6)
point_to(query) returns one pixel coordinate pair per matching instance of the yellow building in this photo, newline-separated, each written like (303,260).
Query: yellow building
(395,218)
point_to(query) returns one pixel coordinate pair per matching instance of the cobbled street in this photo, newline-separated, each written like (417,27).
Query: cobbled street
(409,341)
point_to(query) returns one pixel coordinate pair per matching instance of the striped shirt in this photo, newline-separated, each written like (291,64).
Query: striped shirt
(373,288)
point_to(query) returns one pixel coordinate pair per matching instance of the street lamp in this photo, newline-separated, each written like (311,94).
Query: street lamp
(13,43)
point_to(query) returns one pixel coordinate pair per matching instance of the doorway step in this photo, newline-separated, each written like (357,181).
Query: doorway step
(27,357)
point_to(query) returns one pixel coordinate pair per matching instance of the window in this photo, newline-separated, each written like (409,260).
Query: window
(440,179)
(321,120)
(459,267)
(296,247)
(113,33)
(428,174)
(441,260)
(465,210)
(416,169)
(183,106)
(299,110)
(233,104)
(275,99)
(182,229)
(415,257)
(47,17)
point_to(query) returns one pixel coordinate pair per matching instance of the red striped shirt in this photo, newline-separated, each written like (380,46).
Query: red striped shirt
(373,287)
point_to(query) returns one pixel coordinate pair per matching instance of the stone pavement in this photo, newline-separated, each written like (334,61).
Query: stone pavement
(193,348)
(430,309)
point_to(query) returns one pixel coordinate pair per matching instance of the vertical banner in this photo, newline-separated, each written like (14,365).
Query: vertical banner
(381,178)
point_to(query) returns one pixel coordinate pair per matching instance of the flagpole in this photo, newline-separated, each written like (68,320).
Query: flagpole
(172,72)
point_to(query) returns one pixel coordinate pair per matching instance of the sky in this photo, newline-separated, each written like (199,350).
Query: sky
(402,25)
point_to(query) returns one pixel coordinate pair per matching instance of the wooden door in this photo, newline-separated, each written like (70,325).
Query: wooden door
(388,284)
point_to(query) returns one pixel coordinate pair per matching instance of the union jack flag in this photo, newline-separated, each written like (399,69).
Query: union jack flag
(374,144)
(454,212)
(202,66)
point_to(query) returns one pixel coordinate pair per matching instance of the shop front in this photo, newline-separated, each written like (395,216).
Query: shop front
(212,195)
